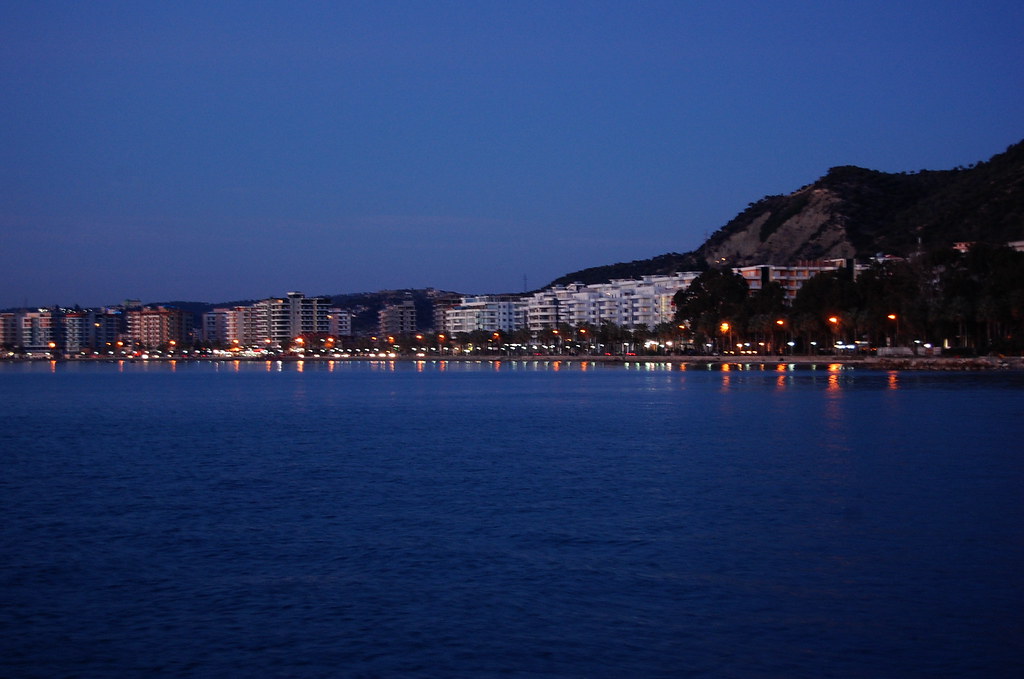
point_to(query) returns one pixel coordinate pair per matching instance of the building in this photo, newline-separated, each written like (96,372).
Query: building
(74,336)
(152,327)
(37,331)
(442,302)
(295,315)
(10,336)
(339,322)
(275,321)
(791,278)
(631,303)
(397,319)
(218,326)
(106,328)
(491,313)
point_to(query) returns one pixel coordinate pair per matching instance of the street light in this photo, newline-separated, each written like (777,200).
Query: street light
(896,336)
(835,328)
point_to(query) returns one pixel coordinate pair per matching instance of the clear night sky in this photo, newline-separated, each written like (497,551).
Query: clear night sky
(213,151)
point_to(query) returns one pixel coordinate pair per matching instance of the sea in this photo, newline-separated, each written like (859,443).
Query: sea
(516,518)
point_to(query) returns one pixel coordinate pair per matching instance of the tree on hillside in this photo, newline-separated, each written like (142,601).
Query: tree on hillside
(981,298)
(826,306)
(764,309)
(891,303)
(716,296)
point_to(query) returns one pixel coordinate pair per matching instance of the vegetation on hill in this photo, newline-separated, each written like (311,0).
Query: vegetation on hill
(366,306)
(860,211)
(662,264)
(968,303)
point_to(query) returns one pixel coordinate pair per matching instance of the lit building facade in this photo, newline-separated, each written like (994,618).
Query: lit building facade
(36,330)
(397,319)
(791,278)
(285,318)
(156,326)
(339,322)
(486,312)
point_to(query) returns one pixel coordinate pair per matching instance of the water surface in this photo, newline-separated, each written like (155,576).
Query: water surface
(518,519)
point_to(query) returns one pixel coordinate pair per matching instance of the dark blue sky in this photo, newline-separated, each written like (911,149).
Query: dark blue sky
(224,150)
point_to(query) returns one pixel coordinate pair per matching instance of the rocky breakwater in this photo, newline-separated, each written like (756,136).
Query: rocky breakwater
(948,363)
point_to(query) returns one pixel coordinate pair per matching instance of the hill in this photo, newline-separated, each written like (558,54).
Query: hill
(856,212)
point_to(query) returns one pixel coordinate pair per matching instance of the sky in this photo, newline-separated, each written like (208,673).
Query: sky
(219,151)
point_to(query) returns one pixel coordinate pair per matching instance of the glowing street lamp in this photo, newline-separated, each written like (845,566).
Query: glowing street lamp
(725,328)
(834,321)
(781,324)
(896,336)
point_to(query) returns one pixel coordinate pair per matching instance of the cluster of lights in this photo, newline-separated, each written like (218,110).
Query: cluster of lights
(559,341)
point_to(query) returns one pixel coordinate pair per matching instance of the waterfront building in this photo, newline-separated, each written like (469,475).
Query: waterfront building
(791,278)
(214,325)
(9,330)
(249,326)
(156,326)
(339,322)
(37,330)
(74,334)
(279,320)
(397,319)
(442,303)
(631,303)
(105,327)
(491,313)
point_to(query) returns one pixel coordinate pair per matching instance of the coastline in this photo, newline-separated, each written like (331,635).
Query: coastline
(978,363)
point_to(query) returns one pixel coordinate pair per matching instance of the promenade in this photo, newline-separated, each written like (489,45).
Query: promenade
(865,362)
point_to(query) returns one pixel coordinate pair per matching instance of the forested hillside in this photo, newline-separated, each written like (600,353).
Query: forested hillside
(857,212)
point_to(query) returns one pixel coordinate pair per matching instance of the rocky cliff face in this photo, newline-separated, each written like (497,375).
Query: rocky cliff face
(855,212)
(809,224)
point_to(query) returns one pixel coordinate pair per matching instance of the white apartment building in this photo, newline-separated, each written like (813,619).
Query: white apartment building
(643,303)
(630,303)
(37,329)
(294,315)
(215,325)
(485,312)
(339,322)
(76,331)
(277,320)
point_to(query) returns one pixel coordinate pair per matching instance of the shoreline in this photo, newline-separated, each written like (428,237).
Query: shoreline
(978,363)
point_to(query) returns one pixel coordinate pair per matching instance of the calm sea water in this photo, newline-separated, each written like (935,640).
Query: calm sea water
(523,519)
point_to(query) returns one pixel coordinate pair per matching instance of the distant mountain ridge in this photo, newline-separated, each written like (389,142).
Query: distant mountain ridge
(856,212)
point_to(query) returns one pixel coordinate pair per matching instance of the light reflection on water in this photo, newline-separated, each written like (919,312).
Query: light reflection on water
(894,380)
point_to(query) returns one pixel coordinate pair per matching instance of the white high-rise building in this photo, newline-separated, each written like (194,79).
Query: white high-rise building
(485,312)
(282,319)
